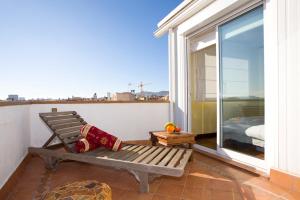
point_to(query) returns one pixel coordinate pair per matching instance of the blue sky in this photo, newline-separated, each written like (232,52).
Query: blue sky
(54,48)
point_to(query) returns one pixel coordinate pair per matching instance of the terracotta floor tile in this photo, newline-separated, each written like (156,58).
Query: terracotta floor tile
(117,193)
(154,185)
(205,178)
(137,196)
(262,184)
(263,194)
(195,181)
(174,180)
(224,185)
(291,195)
(218,195)
(237,196)
(162,197)
(24,194)
(125,181)
(296,185)
(196,193)
(245,192)
(171,190)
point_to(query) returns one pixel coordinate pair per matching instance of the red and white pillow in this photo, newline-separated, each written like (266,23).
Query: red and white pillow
(94,137)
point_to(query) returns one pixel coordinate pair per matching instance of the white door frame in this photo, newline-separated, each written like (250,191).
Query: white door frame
(256,163)
(189,109)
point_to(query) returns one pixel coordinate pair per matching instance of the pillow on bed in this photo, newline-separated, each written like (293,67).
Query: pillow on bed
(257,132)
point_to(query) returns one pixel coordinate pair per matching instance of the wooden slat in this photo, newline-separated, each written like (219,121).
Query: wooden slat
(64,121)
(168,157)
(69,134)
(70,140)
(137,154)
(160,156)
(58,113)
(119,164)
(152,155)
(144,155)
(132,152)
(51,118)
(62,126)
(176,158)
(109,152)
(95,151)
(66,130)
(185,159)
(122,153)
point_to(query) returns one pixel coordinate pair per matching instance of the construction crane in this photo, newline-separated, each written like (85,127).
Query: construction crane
(141,86)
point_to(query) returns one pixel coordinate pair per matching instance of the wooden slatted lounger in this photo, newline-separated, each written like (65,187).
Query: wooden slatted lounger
(145,162)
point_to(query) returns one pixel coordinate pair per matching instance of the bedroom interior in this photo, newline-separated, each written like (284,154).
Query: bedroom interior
(242,83)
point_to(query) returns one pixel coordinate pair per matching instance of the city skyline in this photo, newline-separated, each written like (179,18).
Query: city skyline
(95,96)
(53,50)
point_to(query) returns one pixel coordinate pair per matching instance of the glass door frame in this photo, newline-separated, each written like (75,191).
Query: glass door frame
(252,162)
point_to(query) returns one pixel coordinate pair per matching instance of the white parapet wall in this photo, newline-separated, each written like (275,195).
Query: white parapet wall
(128,121)
(15,138)
(21,127)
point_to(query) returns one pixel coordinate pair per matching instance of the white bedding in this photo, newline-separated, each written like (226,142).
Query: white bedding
(245,129)
(257,132)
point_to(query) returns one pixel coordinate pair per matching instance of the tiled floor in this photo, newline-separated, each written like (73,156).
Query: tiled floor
(204,178)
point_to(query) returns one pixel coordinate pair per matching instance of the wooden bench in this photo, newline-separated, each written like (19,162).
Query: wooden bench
(145,162)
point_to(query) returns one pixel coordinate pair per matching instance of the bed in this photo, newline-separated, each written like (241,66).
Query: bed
(245,130)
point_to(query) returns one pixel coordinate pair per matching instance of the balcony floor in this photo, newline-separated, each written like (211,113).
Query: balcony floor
(205,178)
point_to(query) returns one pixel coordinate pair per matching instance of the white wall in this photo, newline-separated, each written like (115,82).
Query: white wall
(21,127)
(128,121)
(15,138)
(288,60)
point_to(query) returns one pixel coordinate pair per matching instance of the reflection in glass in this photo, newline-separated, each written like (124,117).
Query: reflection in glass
(242,83)
(203,96)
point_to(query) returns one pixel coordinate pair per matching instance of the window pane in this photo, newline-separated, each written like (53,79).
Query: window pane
(242,83)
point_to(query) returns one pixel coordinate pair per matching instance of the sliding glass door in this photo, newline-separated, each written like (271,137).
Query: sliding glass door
(226,89)
(241,68)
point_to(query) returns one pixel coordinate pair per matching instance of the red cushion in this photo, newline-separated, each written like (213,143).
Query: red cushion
(98,137)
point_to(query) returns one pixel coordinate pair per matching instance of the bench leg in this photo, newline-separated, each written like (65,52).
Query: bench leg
(144,181)
(50,162)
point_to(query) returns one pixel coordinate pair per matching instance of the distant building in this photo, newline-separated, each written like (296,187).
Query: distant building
(21,99)
(13,97)
(76,98)
(124,96)
(165,98)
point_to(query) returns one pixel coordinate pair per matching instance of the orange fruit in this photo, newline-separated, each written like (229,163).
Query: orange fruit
(168,124)
(170,128)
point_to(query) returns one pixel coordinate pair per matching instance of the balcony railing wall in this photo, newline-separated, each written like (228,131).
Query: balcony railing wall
(15,138)
(21,127)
